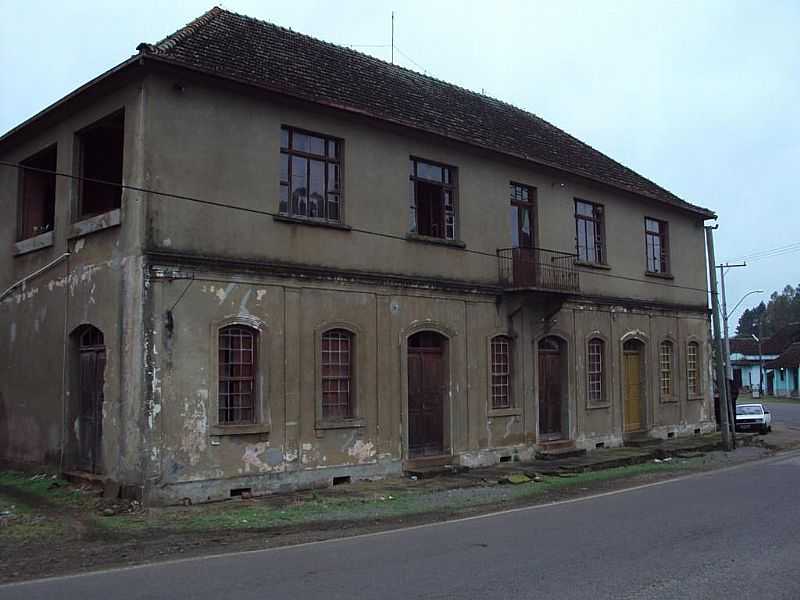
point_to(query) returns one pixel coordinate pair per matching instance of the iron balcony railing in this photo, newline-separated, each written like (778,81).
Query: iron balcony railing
(538,268)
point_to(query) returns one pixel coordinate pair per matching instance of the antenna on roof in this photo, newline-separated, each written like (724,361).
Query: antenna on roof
(392,37)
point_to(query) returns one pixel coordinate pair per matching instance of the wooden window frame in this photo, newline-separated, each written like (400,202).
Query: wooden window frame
(449,212)
(666,371)
(597,376)
(286,206)
(350,406)
(25,230)
(531,205)
(241,330)
(598,220)
(696,393)
(501,378)
(662,261)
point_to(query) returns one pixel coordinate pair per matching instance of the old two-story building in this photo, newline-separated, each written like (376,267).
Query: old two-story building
(248,260)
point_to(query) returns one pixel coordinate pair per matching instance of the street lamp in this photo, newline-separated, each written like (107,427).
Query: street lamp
(725,315)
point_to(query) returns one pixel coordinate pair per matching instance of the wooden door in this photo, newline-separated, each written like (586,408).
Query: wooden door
(92,364)
(426,389)
(632,364)
(550,388)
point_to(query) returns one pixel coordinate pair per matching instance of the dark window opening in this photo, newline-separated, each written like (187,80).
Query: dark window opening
(501,372)
(657,245)
(590,232)
(341,480)
(241,492)
(433,202)
(505,458)
(237,375)
(337,374)
(37,194)
(311,176)
(101,148)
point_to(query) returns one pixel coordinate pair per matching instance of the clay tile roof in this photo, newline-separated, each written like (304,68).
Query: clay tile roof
(744,345)
(278,59)
(789,358)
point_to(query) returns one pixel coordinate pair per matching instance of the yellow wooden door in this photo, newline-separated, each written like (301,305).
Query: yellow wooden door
(633,391)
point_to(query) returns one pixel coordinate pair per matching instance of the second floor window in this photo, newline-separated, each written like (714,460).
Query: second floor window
(310,175)
(523,200)
(590,232)
(37,195)
(657,245)
(433,201)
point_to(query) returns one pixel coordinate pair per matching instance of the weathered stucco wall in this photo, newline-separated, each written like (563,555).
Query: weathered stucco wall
(241,167)
(197,460)
(99,284)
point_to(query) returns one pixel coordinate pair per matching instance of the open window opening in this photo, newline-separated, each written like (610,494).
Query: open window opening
(100,153)
(433,189)
(37,194)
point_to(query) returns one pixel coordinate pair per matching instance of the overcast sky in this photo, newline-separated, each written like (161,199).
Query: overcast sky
(701,97)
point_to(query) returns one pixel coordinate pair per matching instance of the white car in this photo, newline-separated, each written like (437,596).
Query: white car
(753,416)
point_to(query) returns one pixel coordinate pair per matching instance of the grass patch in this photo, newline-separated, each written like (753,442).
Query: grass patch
(258,514)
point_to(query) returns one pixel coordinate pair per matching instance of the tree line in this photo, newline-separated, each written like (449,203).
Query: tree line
(783,309)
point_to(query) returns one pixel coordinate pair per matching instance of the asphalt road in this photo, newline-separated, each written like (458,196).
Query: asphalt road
(787,413)
(727,534)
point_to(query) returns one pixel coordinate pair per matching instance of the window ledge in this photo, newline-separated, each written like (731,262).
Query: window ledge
(37,242)
(106,220)
(505,412)
(698,397)
(341,424)
(603,406)
(427,239)
(592,265)
(669,400)
(659,275)
(240,429)
(311,222)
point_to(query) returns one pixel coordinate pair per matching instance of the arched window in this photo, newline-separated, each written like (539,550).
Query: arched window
(693,368)
(237,375)
(337,374)
(665,361)
(595,363)
(501,372)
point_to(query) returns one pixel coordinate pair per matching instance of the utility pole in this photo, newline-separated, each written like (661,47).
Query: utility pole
(392,37)
(722,384)
(727,347)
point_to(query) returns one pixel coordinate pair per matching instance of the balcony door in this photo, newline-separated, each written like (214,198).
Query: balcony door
(523,234)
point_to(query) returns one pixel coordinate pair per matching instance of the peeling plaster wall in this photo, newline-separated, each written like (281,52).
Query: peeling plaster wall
(100,285)
(295,447)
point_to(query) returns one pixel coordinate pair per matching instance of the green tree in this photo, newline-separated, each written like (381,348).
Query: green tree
(782,310)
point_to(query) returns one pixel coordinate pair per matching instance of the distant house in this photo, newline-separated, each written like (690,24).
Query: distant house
(772,368)
(783,373)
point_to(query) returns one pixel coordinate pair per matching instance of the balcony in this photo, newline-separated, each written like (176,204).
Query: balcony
(538,269)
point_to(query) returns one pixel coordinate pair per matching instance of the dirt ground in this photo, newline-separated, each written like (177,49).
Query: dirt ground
(49,527)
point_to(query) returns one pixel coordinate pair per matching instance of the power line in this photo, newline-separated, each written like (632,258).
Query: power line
(768,253)
(380,234)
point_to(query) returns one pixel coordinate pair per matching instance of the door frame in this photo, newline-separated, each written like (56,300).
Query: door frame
(566,387)
(644,368)
(76,459)
(447,418)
